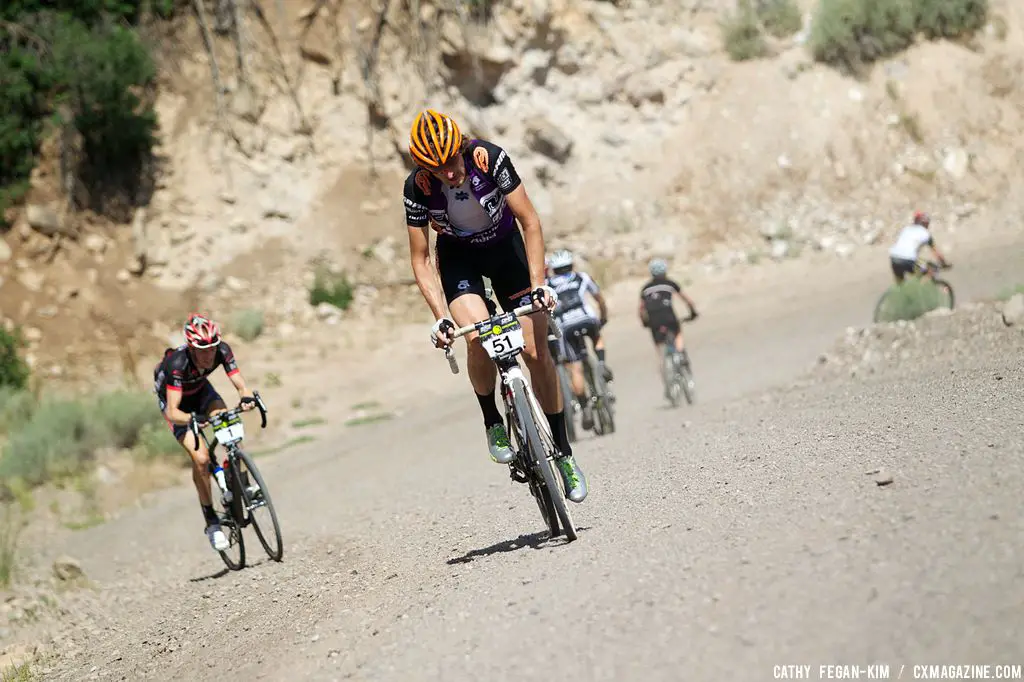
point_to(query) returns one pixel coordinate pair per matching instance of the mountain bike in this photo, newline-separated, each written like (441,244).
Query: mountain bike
(675,369)
(242,491)
(572,406)
(501,336)
(892,306)
(599,398)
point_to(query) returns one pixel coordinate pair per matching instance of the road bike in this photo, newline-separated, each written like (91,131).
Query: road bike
(893,306)
(676,373)
(501,336)
(239,487)
(599,398)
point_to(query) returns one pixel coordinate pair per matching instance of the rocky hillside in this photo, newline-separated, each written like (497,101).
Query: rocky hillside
(636,133)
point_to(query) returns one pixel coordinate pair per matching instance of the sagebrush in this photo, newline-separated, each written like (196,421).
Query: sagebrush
(851,34)
(58,438)
(912,299)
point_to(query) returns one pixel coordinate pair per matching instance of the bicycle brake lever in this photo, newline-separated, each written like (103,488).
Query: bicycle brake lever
(452,362)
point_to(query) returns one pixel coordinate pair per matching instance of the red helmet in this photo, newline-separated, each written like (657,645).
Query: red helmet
(201,332)
(921,218)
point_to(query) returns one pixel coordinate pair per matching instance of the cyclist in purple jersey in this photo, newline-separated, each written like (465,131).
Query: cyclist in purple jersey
(469,193)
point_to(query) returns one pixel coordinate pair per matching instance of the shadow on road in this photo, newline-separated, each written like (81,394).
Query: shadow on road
(533,541)
(224,571)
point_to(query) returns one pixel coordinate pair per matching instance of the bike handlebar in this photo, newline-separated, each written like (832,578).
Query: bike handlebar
(527,309)
(193,423)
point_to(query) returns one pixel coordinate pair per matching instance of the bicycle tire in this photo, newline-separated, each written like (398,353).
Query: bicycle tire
(879,306)
(604,415)
(668,375)
(684,382)
(947,287)
(567,402)
(542,459)
(547,510)
(230,522)
(268,503)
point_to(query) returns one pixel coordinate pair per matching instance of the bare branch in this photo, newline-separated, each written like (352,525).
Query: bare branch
(306,127)
(236,35)
(19,31)
(218,87)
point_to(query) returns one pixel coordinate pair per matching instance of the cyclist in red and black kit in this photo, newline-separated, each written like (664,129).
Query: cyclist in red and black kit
(183,391)
(467,191)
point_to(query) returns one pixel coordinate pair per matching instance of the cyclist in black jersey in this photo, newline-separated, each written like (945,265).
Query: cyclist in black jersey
(656,310)
(468,192)
(183,390)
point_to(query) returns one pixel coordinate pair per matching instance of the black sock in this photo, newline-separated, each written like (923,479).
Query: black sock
(490,409)
(209,515)
(557,424)
(600,354)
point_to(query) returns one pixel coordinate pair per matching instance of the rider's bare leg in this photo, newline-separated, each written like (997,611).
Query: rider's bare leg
(576,378)
(467,309)
(200,469)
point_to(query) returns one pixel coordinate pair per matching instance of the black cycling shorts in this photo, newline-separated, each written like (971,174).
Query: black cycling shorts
(573,341)
(664,330)
(902,267)
(199,402)
(462,268)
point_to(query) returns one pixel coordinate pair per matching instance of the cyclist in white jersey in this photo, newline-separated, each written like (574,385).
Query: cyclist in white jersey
(904,253)
(577,318)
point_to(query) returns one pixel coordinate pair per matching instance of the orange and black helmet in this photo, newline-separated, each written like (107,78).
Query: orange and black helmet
(434,139)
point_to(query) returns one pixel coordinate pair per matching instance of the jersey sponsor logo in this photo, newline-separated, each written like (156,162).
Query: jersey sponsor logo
(505,179)
(494,203)
(423,182)
(480,159)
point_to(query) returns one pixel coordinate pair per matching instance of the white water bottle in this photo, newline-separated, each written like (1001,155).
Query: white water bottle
(218,473)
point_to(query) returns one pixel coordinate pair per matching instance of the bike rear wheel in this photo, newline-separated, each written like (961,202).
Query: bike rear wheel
(604,420)
(543,459)
(268,533)
(669,376)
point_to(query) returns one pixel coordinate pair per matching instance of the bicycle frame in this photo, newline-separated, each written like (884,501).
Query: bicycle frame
(511,373)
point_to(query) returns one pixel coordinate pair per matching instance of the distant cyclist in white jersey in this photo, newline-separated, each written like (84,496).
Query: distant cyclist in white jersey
(903,255)
(577,318)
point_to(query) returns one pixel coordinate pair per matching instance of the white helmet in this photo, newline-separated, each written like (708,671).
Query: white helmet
(657,267)
(560,259)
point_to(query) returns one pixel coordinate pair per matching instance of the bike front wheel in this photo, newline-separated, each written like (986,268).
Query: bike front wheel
(543,459)
(946,297)
(256,498)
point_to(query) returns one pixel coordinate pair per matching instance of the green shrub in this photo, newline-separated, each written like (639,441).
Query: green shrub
(247,324)
(781,18)
(331,288)
(16,407)
(82,58)
(950,18)
(60,437)
(853,33)
(157,441)
(14,370)
(912,299)
(741,33)
(10,530)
